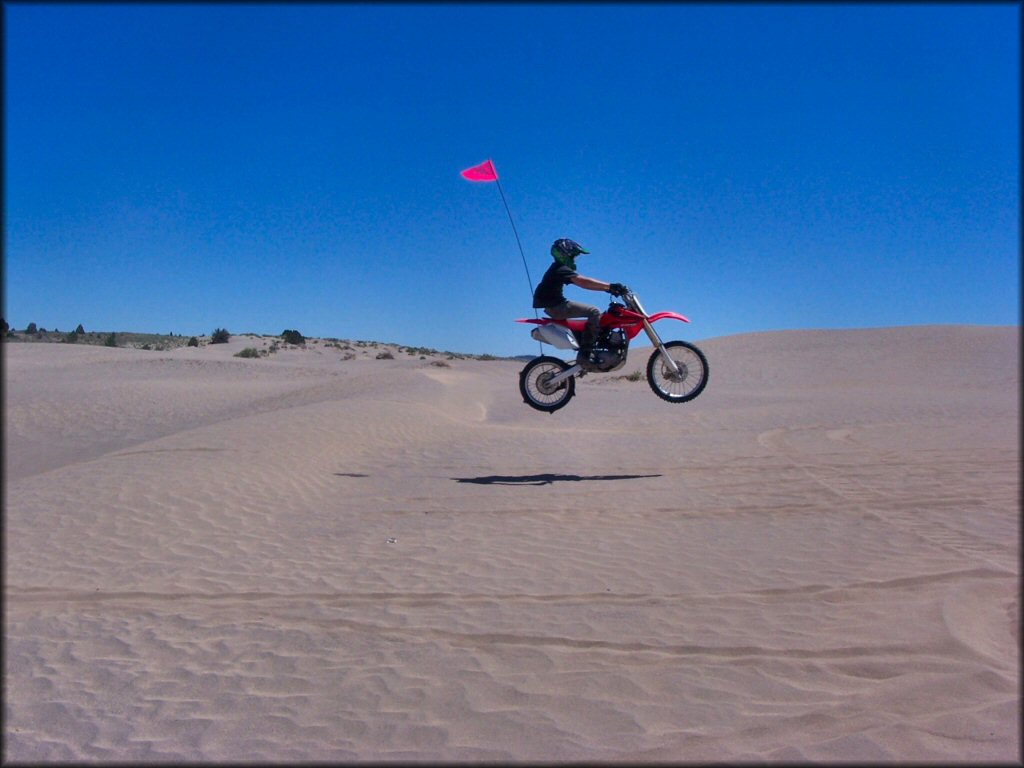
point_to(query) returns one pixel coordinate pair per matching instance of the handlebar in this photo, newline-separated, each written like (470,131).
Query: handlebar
(618,289)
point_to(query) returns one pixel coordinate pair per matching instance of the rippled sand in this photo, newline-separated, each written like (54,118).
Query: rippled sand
(304,558)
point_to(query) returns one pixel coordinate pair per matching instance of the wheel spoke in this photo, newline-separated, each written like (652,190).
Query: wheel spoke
(536,389)
(684,384)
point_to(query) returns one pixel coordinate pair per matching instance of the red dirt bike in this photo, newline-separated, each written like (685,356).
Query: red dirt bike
(677,371)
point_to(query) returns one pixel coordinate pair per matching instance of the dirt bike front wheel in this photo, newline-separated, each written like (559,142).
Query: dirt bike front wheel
(535,389)
(692,374)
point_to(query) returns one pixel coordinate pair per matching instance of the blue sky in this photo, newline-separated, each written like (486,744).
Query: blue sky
(183,167)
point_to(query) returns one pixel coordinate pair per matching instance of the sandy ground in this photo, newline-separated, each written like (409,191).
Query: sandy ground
(304,558)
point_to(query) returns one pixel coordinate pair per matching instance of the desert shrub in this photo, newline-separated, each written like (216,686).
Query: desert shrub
(31,328)
(6,327)
(71,338)
(111,341)
(193,342)
(293,337)
(248,352)
(385,355)
(634,376)
(80,330)
(441,363)
(220,336)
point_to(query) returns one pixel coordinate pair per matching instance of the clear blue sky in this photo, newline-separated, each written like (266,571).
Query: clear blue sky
(183,167)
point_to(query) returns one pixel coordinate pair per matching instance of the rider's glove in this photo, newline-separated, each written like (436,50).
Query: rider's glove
(616,289)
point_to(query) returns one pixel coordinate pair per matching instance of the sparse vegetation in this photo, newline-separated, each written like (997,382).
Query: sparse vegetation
(248,352)
(349,349)
(634,376)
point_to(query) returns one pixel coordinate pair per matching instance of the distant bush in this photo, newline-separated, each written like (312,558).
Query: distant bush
(385,355)
(31,328)
(293,337)
(441,363)
(248,352)
(220,336)
(193,342)
(71,338)
(6,327)
(111,341)
(80,330)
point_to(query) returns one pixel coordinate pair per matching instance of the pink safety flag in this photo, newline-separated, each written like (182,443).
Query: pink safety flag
(483,172)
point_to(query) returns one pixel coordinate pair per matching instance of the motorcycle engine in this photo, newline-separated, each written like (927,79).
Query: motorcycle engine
(610,351)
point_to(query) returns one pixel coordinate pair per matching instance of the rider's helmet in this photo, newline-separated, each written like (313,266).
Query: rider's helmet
(565,251)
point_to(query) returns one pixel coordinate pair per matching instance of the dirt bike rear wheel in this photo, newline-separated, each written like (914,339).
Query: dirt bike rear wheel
(535,390)
(692,377)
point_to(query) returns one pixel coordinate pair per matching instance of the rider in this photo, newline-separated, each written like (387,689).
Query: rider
(549,297)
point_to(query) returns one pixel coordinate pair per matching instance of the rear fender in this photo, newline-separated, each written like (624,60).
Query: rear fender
(543,321)
(572,324)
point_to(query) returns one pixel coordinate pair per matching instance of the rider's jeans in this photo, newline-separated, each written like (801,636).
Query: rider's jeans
(569,309)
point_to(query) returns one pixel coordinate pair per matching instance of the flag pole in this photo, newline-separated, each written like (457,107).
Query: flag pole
(510,221)
(487,172)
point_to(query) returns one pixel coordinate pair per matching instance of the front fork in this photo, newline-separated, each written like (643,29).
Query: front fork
(655,338)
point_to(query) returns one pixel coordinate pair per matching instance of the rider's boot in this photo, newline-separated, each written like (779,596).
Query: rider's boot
(586,347)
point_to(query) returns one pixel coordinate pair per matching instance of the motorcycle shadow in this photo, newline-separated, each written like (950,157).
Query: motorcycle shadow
(544,479)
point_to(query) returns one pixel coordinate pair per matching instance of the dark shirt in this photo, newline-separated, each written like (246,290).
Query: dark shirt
(549,292)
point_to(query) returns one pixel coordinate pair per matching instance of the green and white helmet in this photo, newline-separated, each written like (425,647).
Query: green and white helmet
(565,251)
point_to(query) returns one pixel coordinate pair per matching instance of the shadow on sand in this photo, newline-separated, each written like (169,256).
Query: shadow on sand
(545,479)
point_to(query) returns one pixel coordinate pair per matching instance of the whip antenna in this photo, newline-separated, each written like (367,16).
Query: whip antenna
(487,172)
(514,232)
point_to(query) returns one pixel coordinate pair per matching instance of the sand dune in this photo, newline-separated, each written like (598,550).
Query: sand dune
(304,558)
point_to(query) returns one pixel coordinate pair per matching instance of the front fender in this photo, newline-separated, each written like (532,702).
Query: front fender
(667,315)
